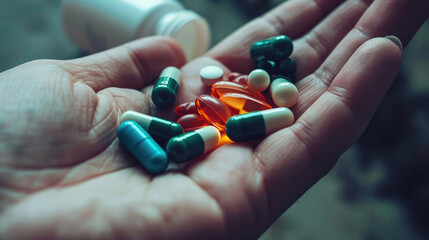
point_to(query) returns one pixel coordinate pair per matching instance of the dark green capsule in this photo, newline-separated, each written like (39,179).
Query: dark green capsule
(268,66)
(166,87)
(244,127)
(274,49)
(286,67)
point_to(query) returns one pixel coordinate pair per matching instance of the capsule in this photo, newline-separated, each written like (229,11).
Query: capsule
(193,144)
(161,130)
(267,66)
(259,80)
(258,124)
(211,74)
(212,109)
(285,67)
(166,87)
(186,108)
(143,147)
(274,49)
(192,122)
(240,103)
(223,87)
(283,92)
(241,80)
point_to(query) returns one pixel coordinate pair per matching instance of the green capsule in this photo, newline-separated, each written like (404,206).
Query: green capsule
(166,87)
(161,130)
(274,49)
(254,125)
(286,67)
(268,66)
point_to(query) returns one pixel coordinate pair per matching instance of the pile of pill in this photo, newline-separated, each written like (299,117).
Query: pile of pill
(236,110)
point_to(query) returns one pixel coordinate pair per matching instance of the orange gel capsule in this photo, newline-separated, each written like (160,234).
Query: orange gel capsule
(241,80)
(191,122)
(234,75)
(243,103)
(223,87)
(212,109)
(186,108)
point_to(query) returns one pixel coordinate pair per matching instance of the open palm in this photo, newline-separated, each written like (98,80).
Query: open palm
(63,173)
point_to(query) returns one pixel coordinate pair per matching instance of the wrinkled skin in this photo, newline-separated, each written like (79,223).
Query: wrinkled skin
(63,174)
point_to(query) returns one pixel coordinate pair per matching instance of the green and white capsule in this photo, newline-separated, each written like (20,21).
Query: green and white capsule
(283,92)
(166,87)
(274,49)
(254,125)
(161,130)
(193,144)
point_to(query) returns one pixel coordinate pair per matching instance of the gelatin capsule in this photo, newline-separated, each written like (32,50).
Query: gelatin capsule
(234,75)
(268,66)
(243,103)
(241,80)
(285,67)
(283,92)
(212,109)
(191,122)
(259,80)
(223,87)
(166,87)
(258,124)
(161,130)
(211,74)
(275,49)
(186,108)
(193,144)
(142,146)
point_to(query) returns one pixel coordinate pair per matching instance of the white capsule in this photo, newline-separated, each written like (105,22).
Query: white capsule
(259,80)
(284,93)
(211,74)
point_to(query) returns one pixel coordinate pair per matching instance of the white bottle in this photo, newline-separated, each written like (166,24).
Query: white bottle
(96,25)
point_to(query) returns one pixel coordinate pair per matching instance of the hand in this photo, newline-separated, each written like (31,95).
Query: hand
(63,173)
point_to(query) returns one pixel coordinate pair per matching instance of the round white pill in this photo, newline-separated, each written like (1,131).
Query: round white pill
(258,80)
(211,74)
(284,93)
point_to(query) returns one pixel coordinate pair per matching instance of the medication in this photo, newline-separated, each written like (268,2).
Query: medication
(223,87)
(166,87)
(211,74)
(274,49)
(142,146)
(241,80)
(268,66)
(161,130)
(193,144)
(283,92)
(234,75)
(186,108)
(191,122)
(212,109)
(286,67)
(259,80)
(242,103)
(258,124)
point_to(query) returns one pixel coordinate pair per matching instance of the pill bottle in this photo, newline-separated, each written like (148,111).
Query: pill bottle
(96,25)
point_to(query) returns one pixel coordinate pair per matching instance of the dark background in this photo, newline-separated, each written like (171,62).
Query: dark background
(380,187)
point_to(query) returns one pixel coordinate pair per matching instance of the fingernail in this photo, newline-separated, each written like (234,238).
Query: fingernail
(396,41)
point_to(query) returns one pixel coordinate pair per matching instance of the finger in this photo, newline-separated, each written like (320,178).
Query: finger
(295,158)
(292,18)
(381,19)
(132,65)
(313,48)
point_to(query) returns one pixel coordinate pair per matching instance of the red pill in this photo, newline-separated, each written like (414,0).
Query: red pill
(186,108)
(223,87)
(243,103)
(213,110)
(241,80)
(234,75)
(191,122)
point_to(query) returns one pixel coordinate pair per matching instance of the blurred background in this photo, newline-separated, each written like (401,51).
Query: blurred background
(380,187)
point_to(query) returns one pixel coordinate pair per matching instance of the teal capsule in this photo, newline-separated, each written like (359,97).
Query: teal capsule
(193,144)
(161,130)
(286,67)
(254,125)
(274,49)
(268,66)
(143,147)
(166,87)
